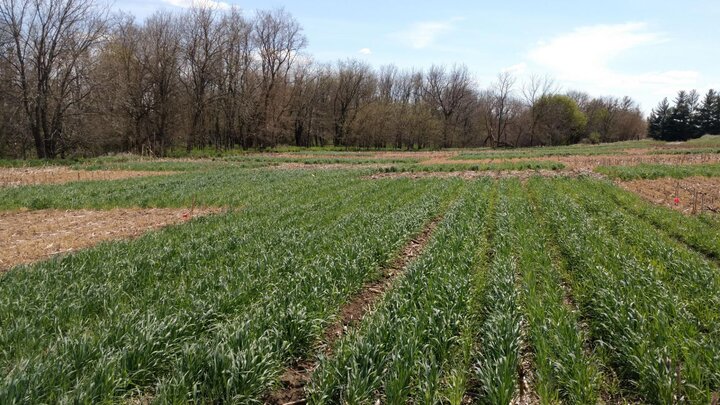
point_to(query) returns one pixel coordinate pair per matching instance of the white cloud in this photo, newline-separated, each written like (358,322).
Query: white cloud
(518,68)
(220,5)
(365,51)
(423,34)
(583,58)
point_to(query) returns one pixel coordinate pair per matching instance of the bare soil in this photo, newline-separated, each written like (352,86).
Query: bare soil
(29,236)
(58,175)
(294,379)
(695,194)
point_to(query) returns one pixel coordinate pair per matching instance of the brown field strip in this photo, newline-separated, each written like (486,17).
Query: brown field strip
(10,177)
(29,236)
(295,378)
(694,194)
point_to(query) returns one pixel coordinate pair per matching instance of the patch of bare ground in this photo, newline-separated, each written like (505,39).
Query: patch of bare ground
(694,194)
(295,378)
(10,177)
(29,236)
(469,175)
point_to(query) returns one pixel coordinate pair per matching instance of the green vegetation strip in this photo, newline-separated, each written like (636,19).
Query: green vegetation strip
(459,167)
(563,371)
(498,359)
(656,171)
(209,311)
(222,188)
(701,233)
(690,276)
(639,324)
(416,345)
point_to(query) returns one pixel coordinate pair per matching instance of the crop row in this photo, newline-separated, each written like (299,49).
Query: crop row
(564,371)
(416,346)
(211,310)
(700,233)
(656,171)
(475,167)
(640,323)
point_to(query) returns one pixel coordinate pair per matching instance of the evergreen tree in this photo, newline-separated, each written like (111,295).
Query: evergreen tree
(695,129)
(706,112)
(680,126)
(659,120)
(715,126)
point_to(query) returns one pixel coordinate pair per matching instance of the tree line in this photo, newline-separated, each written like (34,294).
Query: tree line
(687,118)
(77,80)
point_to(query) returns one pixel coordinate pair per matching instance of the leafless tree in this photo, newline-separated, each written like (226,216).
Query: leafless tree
(279,40)
(446,92)
(238,79)
(354,84)
(201,49)
(499,109)
(533,90)
(50,40)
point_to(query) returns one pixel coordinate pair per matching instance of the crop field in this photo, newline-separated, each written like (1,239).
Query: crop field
(327,277)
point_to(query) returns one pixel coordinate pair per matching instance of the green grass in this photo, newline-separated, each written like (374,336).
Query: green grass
(656,171)
(705,140)
(226,187)
(457,167)
(603,293)
(210,310)
(641,326)
(684,151)
(416,345)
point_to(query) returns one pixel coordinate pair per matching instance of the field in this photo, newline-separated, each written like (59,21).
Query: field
(578,275)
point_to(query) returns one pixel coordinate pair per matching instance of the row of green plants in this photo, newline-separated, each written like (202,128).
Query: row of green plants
(563,370)
(655,171)
(694,279)
(640,325)
(499,340)
(701,233)
(211,310)
(417,345)
(226,187)
(458,167)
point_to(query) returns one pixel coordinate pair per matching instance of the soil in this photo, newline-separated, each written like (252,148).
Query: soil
(695,194)
(29,236)
(295,378)
(10,177)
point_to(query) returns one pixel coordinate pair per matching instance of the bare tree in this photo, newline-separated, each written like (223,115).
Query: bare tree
(160,52)
(279,40)
(499,109)
(238,83)
(49,40)
(533,90)
(446,92)
(201,48)
(355,84)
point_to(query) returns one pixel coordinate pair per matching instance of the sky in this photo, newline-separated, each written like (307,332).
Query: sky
(645,49)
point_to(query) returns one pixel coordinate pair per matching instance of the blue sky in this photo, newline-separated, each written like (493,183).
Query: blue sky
(641,48)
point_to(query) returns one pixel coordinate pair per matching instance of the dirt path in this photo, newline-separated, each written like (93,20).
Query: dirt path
(10,177)
(295,378)
(29,236)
